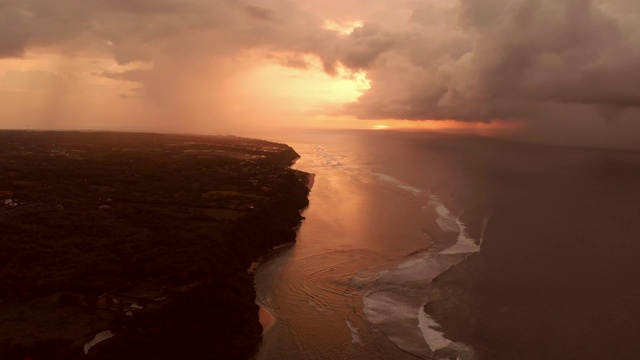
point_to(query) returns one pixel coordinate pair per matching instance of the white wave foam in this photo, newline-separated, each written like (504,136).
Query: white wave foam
(316,306)
(447,225)
(485,221)
(328,159)
(417,271)
(448,222)
(411,262)
(100,337)
(464,244)
(434,338)
(396,306)
(355,335)
(370,278)
(394,313)
(390,179)
(336,161)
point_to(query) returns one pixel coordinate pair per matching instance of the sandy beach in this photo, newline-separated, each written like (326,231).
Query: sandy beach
(266,319)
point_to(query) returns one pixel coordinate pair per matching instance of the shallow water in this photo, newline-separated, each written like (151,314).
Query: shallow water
(375,234)
(391,210)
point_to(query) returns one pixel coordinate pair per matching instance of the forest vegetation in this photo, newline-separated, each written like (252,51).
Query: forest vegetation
(149,236)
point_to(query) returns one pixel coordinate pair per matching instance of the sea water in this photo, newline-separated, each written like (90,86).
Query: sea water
(380,226)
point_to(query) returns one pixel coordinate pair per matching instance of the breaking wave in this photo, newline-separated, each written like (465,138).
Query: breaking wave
(331,300)
(395,305)
(396,298)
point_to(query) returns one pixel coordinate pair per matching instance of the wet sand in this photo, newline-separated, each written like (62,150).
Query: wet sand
(266,319)
(558,274)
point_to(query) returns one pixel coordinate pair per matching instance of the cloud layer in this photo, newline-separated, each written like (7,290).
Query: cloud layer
(466,60)
(497,59)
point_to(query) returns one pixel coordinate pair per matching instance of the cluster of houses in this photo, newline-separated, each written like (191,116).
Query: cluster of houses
(26,209)
(128,303)
(11,207)
(7,198)
(66,153)
(222,153)
(240,145)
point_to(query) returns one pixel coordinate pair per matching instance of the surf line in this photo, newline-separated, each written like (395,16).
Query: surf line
(395,304)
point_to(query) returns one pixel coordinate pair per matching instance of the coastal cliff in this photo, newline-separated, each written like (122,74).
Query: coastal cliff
(145,236)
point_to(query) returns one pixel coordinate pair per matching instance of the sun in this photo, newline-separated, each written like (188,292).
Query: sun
(344,28)
(380,127)
(302,90)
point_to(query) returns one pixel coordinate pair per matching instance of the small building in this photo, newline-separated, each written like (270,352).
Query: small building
(119,303)
(10,202)
(127,303)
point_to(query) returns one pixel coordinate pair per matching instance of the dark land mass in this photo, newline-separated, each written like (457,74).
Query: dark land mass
(558,273)
(148,236)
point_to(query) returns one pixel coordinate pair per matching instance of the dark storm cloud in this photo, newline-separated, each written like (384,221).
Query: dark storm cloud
(502,59)
(468,60)
(258,13)
(181,39)
(29,23)
(364,45)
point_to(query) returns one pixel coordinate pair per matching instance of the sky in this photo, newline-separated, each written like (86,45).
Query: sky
(561,71)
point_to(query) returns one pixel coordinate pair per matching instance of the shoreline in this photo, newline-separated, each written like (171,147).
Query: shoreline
(263,319)
(266,318)
(311,179)
(185,238)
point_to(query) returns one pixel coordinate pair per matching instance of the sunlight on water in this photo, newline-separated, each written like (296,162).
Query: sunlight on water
(353,286)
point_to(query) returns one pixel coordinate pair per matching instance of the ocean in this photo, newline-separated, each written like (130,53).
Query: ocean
(403,253)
